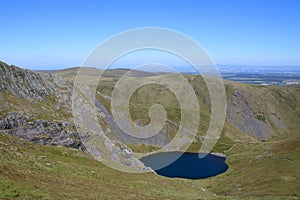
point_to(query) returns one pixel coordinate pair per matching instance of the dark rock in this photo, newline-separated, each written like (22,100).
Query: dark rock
(33,88)
(26,84)
(242,115)
(40,131)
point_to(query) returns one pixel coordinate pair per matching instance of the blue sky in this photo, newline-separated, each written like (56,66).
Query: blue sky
(49,34)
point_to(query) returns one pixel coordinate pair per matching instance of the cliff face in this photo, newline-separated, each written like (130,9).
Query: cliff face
(32,106)
(242,115)
(43,132)
(37,107)
(264,112)
(34,86)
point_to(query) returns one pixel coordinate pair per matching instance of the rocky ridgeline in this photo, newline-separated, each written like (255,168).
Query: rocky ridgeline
(23,95)
(40,131)
(26,84)
(35,88)
(30,88)
(246,116)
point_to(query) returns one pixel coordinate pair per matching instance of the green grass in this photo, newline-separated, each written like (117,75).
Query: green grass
(261,170)
(258,170)
(41,172)
(45,110)
(283,100)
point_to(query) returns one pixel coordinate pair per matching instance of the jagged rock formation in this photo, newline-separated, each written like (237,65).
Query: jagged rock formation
(32,90)
(245,116)
(34,86)
(42,98)
(28,93)
(31,104)
(40,131)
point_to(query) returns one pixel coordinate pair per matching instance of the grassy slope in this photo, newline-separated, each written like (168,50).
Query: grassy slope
(281,100)
(257,169)
(284,100)
(40,172)
(39,110)
(265,170)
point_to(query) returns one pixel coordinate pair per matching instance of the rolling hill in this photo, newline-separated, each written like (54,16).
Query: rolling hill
(260,140)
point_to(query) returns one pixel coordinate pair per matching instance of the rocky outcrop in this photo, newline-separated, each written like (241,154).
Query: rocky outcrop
(34,86)
(40,131)
(28,92)
(246,115)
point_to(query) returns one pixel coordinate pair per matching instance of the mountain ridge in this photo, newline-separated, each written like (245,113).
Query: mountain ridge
(43,116)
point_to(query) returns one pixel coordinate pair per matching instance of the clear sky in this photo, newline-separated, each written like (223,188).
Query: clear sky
(48,34)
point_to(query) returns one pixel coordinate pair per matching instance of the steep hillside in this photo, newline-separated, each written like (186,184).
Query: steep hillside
(39,172)
(263,112)
(260,139)
(37,107)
